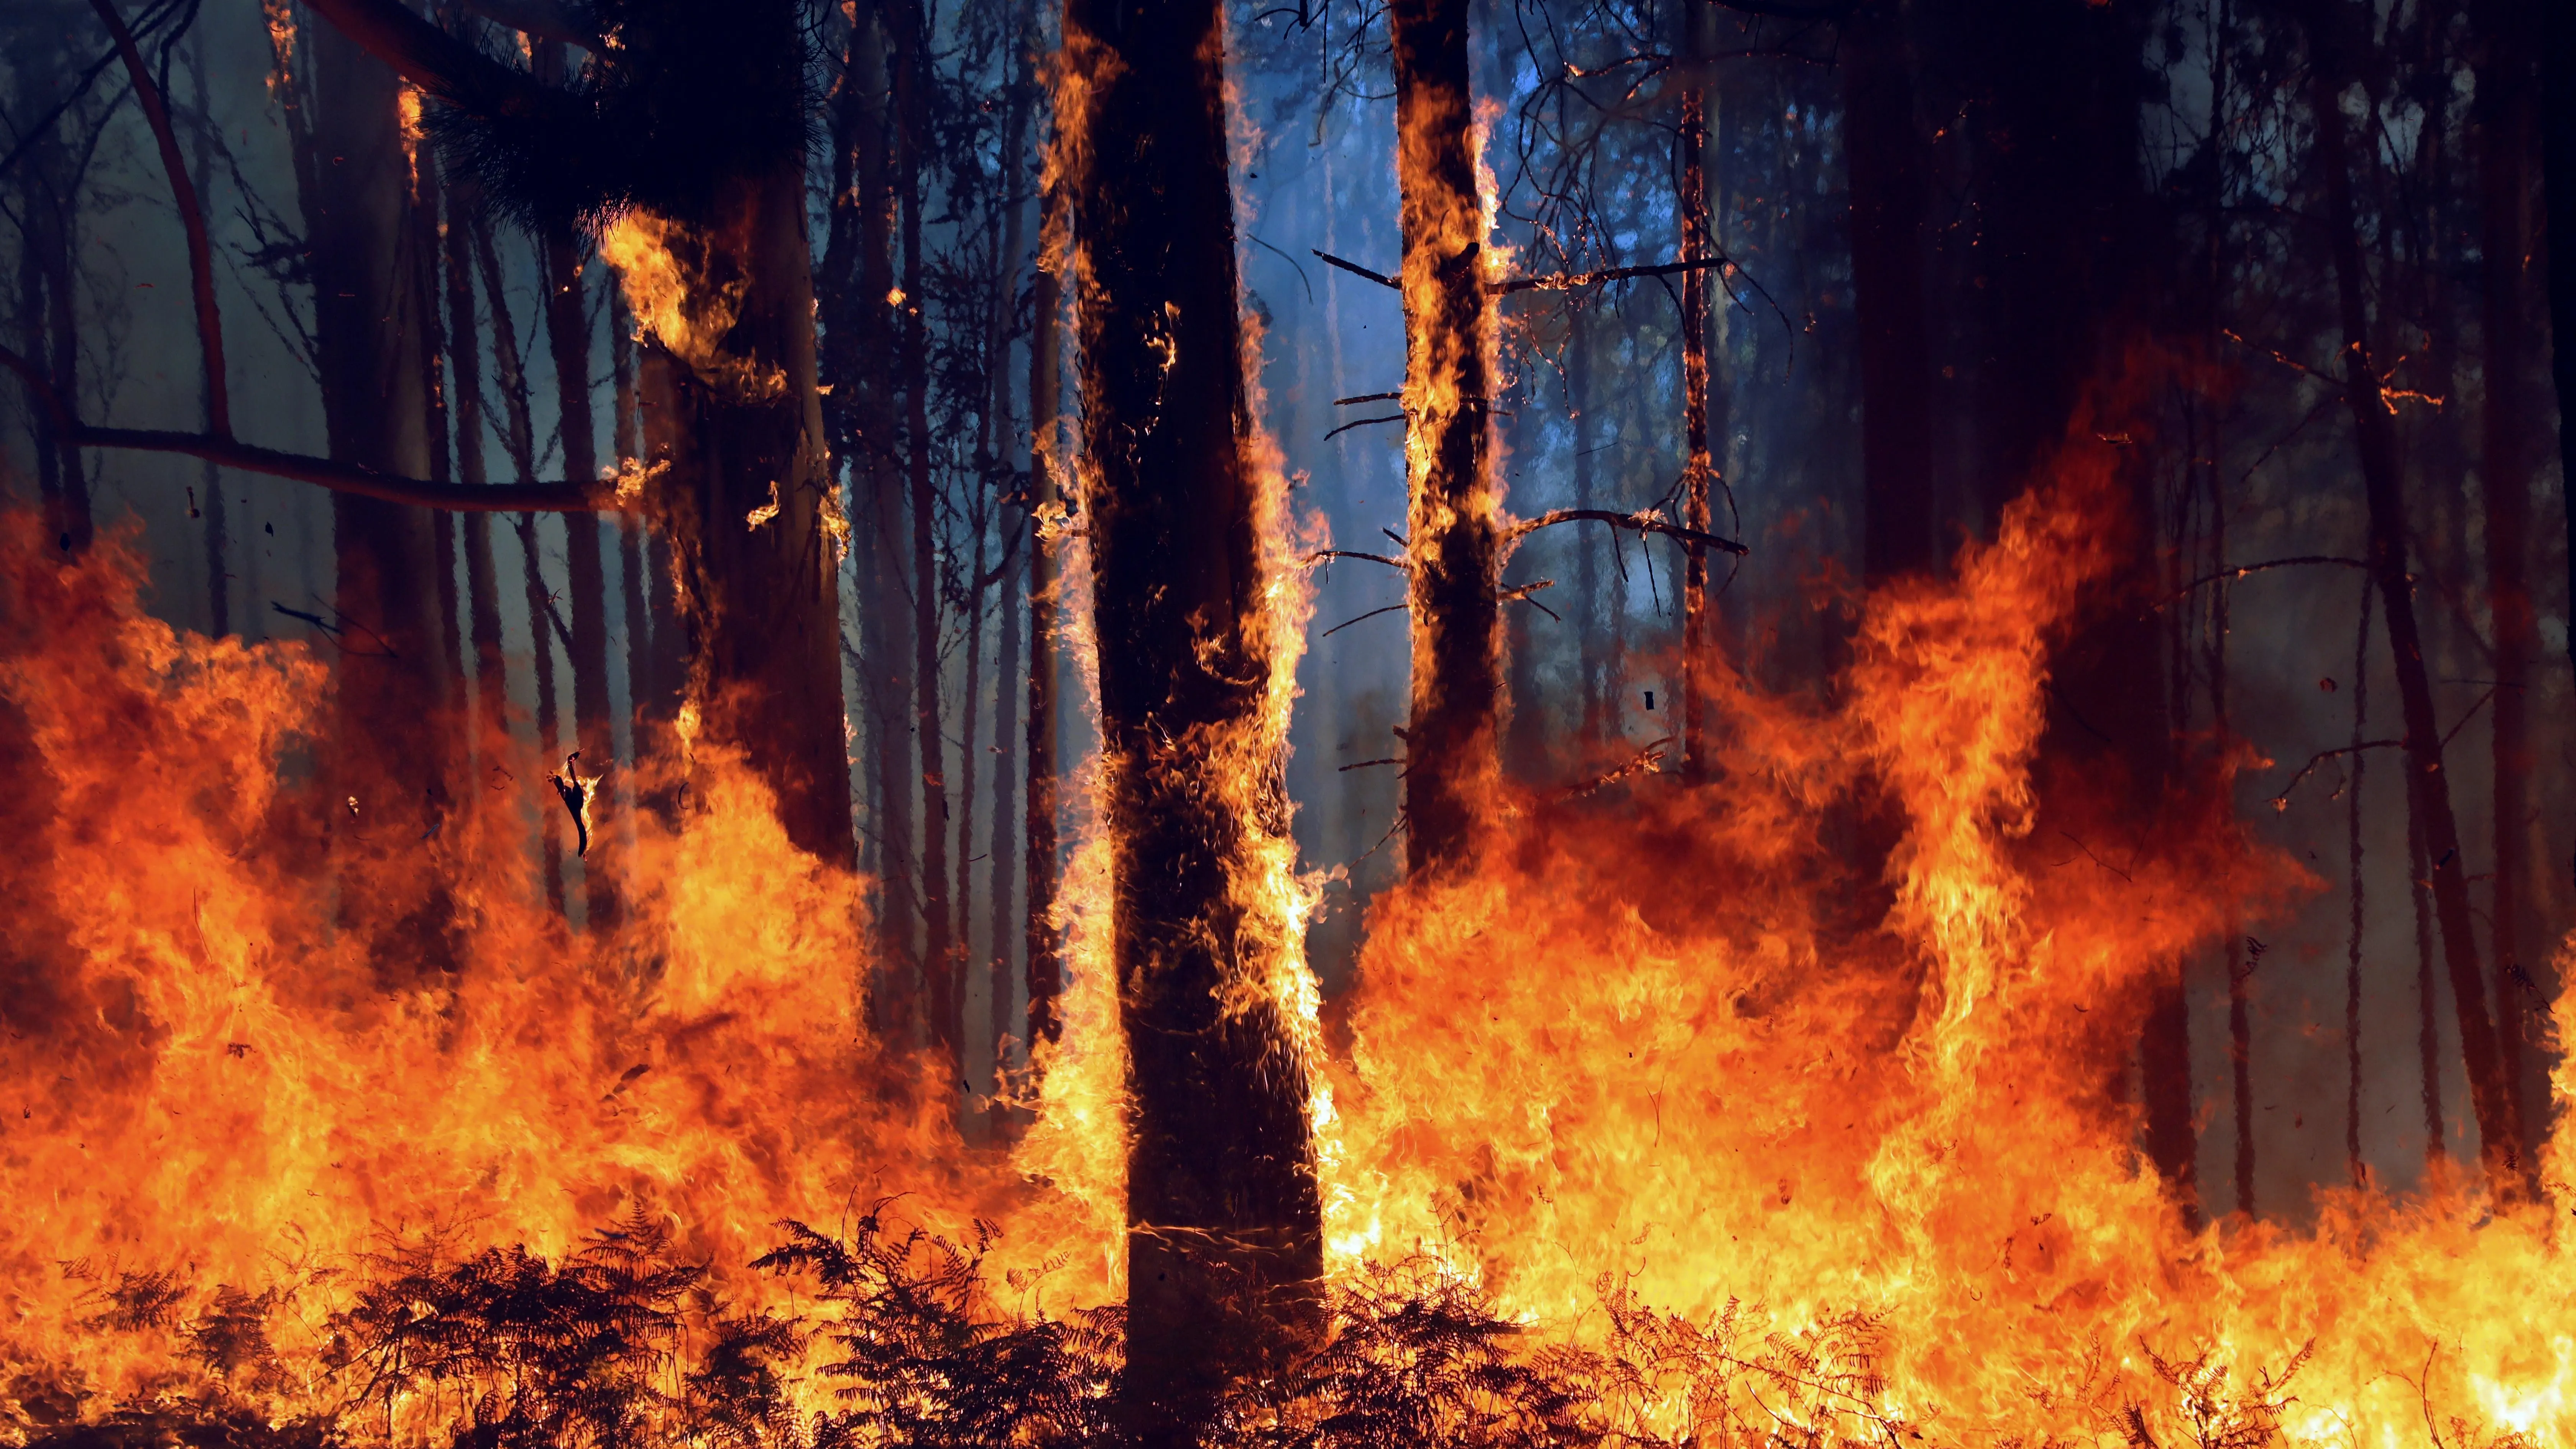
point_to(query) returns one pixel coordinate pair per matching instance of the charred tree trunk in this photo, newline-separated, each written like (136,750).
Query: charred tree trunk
(390,751)
(2491,1095)
(1453,549)
(911,64)
(2557,121)
(2506,464)
(219,589)
(1887,160)
(482,588)
(1044,966)
(1225,1243)
(1692,203)
(736,427)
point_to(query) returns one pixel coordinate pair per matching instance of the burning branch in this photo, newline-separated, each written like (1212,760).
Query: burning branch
(1644,520)
(1646,759)
(578,791)
(2229,575)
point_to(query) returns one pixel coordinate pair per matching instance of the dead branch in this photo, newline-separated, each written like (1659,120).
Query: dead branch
(1371,614)
(1356,270)
(1333,553)
(1644,520)
(192,220)
(1364,764)
(1343,402)
(1647,758)
(2241,570)
(1575,281)
(2281,801)
(351,478)
(1362,423)
(1521,595)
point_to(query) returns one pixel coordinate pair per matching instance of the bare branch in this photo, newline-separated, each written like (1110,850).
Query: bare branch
(1356,270)
(1571,281)
(1371,614)
(183,196)
(1330,553)
(1343,402)
(1362,423)
(2241,570)
(436,61)
(599,496)
(1645,520)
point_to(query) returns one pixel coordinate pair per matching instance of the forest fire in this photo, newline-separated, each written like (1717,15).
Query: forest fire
(887,933)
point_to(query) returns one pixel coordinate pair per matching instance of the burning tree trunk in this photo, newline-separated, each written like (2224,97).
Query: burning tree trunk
(389,759)
(2428,789)
(1453,552)
(701,145)
(1697,470)
(1044,966)
(1224,1240)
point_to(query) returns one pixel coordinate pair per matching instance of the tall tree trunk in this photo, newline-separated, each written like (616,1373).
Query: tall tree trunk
(1001,985)
(2428,1012)
(736,425)
(2490,1094)
(519,442)
(2359,1173)
(1044,966)
(1597,693)
(426,198)
(567,322)
(201,168)
(911,65)
(1225,1240)
(1887,159)
(2505,133)
(1692,204)
(465,361)
(1453,548)
(390,751)
(2557,121)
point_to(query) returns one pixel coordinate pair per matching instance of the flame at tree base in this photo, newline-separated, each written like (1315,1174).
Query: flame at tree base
(1642,1131)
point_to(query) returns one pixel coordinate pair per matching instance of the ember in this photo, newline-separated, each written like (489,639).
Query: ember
(1908,932)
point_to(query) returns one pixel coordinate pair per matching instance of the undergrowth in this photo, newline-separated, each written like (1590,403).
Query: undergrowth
(903,1341)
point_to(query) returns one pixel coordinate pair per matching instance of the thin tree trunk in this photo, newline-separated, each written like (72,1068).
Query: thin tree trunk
(2490,1094)
(1453,549)
(2352,955)
(1225,1241)
(2428,1018)
(219,592)
(939,964)
(969,722)
(391,747)
(567,322)
(426,197)
(2557,120)
(1887,159)
(1596,692)
(1692,204)
(518,441)
(465,360)
(1001,985)
(1044,966)
(2505,127)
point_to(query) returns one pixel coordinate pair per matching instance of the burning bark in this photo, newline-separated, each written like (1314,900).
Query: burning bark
(1224,1225)
(1454,550)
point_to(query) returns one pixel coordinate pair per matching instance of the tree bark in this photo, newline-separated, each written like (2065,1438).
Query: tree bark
(1886,159)
(941,979)
(465,360)
(2505,123)
(2490,1094)
(1225,1242)
(1697,469)
(1453,550)
(390,763)
(1044,966)
(735,428)
(567,321)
